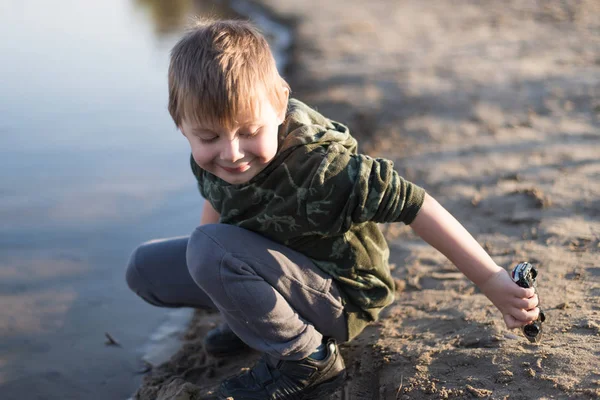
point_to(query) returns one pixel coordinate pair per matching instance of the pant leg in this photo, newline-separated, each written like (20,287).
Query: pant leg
(273,298)
(158,273)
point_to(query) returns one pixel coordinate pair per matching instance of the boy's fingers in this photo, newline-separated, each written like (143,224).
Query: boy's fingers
(535,314)
(511,322)
(528,292)
(523,293)
(533,301)
(527,303)
(525,316)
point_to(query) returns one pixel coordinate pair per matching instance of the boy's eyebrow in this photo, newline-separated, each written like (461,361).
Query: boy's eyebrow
(252,125)
(202,132)
(203,128)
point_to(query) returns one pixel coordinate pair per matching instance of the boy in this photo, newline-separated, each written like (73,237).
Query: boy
(288,249)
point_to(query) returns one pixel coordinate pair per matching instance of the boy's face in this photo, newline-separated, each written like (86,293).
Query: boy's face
(239,153)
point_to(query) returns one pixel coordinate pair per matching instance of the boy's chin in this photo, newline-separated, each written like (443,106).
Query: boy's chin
(237,179)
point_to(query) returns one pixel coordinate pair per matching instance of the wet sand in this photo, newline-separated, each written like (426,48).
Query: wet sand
(494,108)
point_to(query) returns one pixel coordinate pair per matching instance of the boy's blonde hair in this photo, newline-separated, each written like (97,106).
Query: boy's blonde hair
(220,69)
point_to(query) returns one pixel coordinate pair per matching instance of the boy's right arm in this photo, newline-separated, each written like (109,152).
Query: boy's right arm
(209,214)
(442,231)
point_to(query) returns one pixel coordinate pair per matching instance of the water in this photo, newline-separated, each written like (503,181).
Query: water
(91,165)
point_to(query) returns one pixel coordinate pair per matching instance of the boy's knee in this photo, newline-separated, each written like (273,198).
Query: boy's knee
(135,279)
(204,255)
(132,276)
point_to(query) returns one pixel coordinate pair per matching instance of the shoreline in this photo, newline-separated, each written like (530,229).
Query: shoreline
(495,110)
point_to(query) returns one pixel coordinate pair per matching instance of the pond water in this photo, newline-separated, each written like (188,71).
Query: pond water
(91,165)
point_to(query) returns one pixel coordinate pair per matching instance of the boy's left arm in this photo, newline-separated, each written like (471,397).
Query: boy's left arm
(440,229)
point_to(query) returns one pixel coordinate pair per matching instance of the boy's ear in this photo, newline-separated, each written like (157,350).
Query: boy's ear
(283,111)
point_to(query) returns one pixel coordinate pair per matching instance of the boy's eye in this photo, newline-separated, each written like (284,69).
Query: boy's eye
(250,133)
(208,139)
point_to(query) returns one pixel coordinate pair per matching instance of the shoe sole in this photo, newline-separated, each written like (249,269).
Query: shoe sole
(323,389)
(326,388)
(229,352)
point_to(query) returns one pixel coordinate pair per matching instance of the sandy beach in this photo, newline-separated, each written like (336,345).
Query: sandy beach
(494,108)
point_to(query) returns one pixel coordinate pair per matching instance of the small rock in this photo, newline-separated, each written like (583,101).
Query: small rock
(400,285)
(479,340)
(480,393)
(413,282)
(504,376)
(589,324)
(421,368)
(530,372)
(541,200)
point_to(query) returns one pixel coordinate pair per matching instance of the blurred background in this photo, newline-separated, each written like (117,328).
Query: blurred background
(91,165)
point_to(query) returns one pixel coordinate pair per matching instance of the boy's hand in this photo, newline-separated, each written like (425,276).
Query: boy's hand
(518,305)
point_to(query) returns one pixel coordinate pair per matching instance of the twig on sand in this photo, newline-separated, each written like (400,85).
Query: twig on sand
(110,341)
(400,387)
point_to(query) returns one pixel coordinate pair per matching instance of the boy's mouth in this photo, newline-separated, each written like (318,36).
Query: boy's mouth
(237,170)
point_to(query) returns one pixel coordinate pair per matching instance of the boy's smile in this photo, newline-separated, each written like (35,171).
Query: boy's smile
(236,154)
(236,170)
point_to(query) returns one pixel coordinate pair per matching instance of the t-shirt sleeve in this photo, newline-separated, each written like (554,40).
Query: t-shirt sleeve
(354,188)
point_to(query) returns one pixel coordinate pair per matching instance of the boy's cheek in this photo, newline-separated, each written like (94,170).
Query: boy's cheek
(200,159)
(267,150)
(267,156)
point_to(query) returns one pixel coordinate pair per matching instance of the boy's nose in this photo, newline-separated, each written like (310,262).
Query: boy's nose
(231,151)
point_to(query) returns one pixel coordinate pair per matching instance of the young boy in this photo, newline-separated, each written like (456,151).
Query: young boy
(288,249)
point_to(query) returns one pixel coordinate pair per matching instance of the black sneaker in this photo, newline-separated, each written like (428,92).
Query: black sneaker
(222,342)
(288,380)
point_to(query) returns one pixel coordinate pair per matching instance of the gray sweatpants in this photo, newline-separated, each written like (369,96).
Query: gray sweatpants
(275,299)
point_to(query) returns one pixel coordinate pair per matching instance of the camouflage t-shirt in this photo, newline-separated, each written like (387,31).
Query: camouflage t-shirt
(320,198)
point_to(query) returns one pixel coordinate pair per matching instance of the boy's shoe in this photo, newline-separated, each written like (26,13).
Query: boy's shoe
(222,342)
(288,380)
